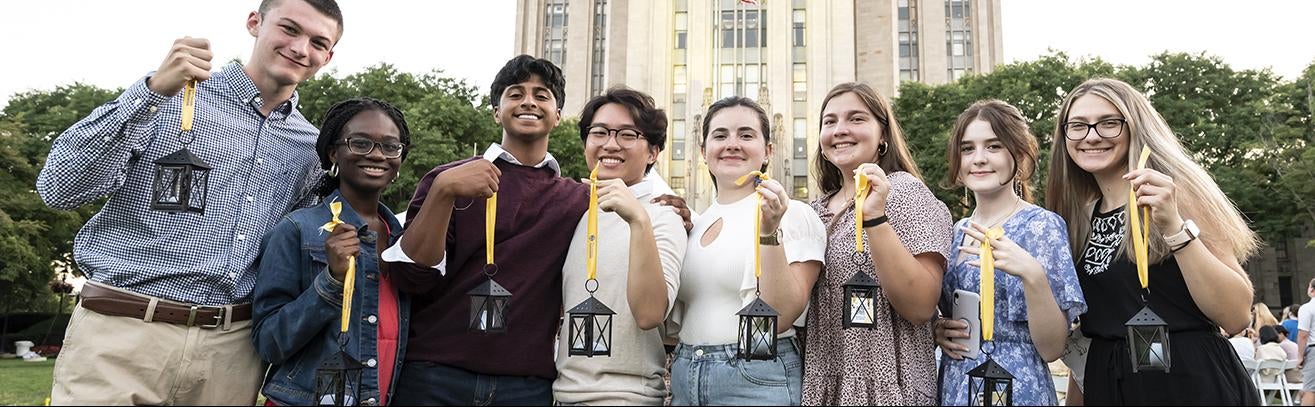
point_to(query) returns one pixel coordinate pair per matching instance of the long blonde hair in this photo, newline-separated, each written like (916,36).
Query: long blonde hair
(1071,190)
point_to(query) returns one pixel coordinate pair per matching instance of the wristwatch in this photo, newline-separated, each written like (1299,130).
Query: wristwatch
(1188,233)
(773,239)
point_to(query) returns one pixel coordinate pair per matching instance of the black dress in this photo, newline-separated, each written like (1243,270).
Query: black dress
(1205,369)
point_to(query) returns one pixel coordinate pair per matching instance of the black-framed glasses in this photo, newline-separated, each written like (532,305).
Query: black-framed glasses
(626,138)
(363,146)
(1107,128)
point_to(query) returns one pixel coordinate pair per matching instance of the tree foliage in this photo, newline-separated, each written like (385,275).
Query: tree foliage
(1249,128)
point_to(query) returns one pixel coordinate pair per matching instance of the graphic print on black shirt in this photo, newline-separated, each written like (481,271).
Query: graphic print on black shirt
(1104,242)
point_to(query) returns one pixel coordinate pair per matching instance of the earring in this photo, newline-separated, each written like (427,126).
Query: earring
(1018,187)
(333,171)
(966,202)
(881,149)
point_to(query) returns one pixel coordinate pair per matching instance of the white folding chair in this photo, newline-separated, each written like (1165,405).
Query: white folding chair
(1253,369)
(1278,383)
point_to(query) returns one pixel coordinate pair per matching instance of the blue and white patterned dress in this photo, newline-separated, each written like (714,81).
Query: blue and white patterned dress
(1045,236)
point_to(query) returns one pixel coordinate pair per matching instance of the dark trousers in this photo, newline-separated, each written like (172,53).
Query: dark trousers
(427,383)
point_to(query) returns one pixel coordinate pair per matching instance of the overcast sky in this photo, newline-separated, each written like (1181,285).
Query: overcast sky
(112,43)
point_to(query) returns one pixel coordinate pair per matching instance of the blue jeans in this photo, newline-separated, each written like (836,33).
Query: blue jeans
(712,375)
(426,383)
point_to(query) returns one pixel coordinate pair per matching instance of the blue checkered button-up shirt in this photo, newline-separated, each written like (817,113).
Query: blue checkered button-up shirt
(262,168)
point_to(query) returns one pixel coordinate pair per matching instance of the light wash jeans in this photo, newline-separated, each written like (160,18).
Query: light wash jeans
(712,375)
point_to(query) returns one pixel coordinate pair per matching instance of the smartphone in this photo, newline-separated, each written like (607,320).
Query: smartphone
(968,308)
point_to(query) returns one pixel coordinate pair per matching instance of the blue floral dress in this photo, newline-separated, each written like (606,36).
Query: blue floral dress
(1045,236)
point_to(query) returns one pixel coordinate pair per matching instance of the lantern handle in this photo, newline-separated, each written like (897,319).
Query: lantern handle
(490,270)
(188,137)
(988,350)
(595,286)
(1146,292)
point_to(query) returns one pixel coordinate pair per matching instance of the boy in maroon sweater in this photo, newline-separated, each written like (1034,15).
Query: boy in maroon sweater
(441,256)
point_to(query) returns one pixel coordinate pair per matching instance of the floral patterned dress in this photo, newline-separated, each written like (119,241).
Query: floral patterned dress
(1042,234)
(894,363)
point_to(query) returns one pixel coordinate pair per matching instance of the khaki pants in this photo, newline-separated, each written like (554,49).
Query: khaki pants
(118,360)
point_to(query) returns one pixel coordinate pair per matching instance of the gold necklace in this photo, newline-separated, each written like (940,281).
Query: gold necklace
(1018,202)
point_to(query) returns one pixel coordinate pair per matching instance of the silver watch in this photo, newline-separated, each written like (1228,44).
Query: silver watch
(1188,233)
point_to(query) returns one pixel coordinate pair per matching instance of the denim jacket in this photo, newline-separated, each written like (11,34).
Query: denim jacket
(297,305)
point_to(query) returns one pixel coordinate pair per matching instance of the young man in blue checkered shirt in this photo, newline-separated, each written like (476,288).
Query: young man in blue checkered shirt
(165,318)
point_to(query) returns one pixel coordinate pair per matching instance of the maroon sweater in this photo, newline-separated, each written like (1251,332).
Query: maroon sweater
(537,215)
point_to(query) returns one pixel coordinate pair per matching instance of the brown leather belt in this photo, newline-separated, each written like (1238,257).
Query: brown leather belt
(110,301)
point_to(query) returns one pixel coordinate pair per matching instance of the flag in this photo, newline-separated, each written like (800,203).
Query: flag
(753,2)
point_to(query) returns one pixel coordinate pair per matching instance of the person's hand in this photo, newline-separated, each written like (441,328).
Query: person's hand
(1007,255)
(946,330)
(1156,190)
(475,179)
(188,60)
(341,246)
(678,204)
(774,204)
(615,196)
(875,206)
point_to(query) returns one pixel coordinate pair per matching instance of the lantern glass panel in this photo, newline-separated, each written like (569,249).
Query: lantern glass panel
(861,307)
(337,381)
(758,337)
(1150,345)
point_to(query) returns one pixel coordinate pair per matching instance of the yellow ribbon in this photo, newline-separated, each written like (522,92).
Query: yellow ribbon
(490,224)
(758,219)
(349,283)
(189,105)
(988,283)
(1140,219)
(592,229)
(861,188)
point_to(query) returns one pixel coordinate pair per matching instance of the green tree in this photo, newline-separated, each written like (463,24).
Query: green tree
(33,237)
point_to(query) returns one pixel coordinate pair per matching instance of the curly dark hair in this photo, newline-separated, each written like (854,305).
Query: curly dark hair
(649,119)
(331,130)
(519,69)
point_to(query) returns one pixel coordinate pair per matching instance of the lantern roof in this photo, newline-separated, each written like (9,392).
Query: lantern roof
(591,306)
(183,157)
(1146,317)
(990,370)
(758,308)
(489,288)
(340,361)
(862,279)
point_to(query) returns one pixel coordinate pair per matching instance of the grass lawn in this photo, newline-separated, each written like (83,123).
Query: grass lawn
(25,383)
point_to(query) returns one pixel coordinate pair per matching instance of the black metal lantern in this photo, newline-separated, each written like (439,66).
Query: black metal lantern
(591,328)
(757,331)
(181,182)
(488,307)
(1148,341)
(860,300)
(338,380)
(989,384)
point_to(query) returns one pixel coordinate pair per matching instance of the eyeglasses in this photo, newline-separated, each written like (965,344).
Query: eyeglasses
(363,146)
(1108,128)
(626,138)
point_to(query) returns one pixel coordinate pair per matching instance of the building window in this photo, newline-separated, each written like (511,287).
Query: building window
(958,38)
(678,139)
(799,76)
(743,28)
(797,18)
(682,30)
(598,67)
(554,39)
(800,137)
(679,82)
(800,187)
(908,40)
(677,183)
